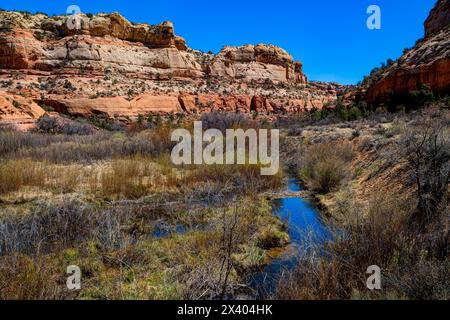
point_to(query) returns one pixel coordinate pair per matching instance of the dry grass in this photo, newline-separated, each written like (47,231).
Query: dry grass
(326,165)
(377,219)
(244,177)
(27,278)
(15,174)
(119,257)
(375,236)
(131,178)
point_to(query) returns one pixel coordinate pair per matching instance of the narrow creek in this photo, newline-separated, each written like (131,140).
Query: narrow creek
(306,229)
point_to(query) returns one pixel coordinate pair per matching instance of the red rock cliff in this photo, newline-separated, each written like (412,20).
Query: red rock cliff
(109,66)
(427,63)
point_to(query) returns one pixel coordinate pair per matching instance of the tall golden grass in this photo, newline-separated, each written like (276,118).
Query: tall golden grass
(15,174)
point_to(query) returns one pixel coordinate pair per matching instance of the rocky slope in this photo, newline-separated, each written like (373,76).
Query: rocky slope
(428,62)
(17,108)
(106,65)
(439,18)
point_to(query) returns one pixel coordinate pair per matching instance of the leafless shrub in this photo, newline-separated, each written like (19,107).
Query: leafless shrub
(110,228)
(46,224)
(201,283)
(426,147)
(103,149)
(59,125)
(325,166)
(377,236)
(224,121)
(11,142)
(64,148)
(7,127)
(54,226)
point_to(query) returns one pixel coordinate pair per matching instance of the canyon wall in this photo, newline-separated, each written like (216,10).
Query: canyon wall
(105,65)
(427,63)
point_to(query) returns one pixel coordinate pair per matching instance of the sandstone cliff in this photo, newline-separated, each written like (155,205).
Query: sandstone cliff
(427,63)
(257,62)
(105,65)
(110,42)
(19,111)
(439,18)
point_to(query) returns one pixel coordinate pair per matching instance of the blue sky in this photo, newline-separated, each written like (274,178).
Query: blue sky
(329,37)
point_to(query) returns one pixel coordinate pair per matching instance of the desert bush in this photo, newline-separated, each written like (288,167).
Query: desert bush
(7,127)
(426,147)
(224,121)
(86,149)
(325,166)
(59,125)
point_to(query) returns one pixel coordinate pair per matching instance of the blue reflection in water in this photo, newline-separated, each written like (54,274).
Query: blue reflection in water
(302,218)
(163,231)
(307,231)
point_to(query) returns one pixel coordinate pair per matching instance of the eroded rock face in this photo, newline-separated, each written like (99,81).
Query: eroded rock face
(19,50)
(428,63)
(439,18)
(18,109)
(257,63)
(108,66)
(110,42)
(95,55)
(115,107)
(100,43)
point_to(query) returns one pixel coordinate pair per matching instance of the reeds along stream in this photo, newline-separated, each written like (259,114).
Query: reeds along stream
(307,231)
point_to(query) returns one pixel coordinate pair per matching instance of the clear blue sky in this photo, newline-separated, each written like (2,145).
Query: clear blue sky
(330,37)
